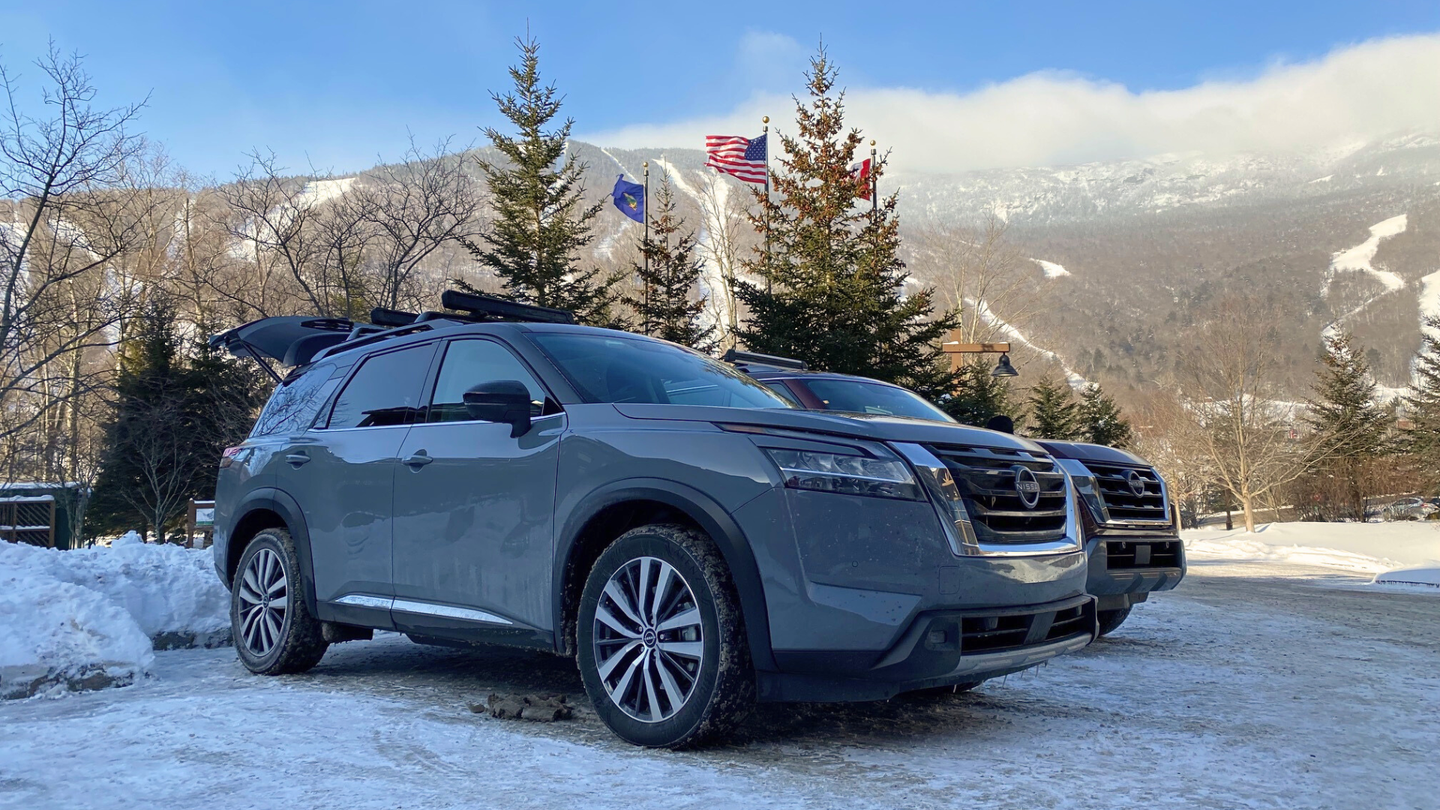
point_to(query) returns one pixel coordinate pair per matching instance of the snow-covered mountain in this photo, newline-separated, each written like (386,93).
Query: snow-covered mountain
(1129,254)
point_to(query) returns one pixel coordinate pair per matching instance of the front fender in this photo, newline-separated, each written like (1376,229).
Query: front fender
(710,516)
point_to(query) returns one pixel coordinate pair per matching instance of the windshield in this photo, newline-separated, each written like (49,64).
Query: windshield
(605,368)
(859,396)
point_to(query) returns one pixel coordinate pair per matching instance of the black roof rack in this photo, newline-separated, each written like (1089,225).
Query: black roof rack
(492,308)
(299,340)
(755,361)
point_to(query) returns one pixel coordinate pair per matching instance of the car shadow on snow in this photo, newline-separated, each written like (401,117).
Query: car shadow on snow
(450,679)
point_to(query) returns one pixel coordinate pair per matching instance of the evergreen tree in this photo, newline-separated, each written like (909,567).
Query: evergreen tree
(977,396)
(541,221)
(665,307)
(1423,406)
(1100,419)
(1350,427)
(1053,414)
(829,289)
(172,419)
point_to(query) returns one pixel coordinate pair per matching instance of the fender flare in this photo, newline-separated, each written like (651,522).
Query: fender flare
(711,516)
(288,509)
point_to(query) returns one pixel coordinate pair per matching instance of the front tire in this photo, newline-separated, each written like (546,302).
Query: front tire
(273,631)
(662,645)
(1110,620)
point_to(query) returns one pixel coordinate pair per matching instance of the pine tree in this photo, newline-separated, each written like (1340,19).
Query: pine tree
(977,396)
(665,308)
(173,417)
(541,221)
(830,289)
(1423,405)
(1100,419)
(1349,426)
(1053,414)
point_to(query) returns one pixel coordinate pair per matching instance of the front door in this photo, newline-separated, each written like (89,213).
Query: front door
(342,473)
(474,508)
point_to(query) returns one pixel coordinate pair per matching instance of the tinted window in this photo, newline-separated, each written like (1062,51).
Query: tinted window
(296,401)
(779,388)
(620,369)
(857,396)
(469,363)
(385,391)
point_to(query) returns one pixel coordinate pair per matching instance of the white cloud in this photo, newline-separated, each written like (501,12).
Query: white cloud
(1050,118)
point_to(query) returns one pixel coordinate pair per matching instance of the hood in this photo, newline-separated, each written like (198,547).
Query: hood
(1080,451)
(859,426)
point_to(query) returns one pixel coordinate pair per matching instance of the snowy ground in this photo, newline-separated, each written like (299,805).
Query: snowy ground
(1258,683)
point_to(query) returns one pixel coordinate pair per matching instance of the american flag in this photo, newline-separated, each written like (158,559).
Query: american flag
(737,155)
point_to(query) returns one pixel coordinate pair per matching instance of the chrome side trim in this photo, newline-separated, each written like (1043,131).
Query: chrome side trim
(447,611)
(365,601)
(421,608)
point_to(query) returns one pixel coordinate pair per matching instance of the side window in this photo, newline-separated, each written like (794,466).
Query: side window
(295,402)
(469,363)
(384,391)
(783,390)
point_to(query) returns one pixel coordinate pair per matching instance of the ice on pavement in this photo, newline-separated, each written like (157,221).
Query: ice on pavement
(68,615)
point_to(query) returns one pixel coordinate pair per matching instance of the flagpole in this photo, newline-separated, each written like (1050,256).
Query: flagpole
(874,184)
(645,242)
(765,133)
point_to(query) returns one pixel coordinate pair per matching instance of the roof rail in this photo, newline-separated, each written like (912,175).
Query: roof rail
(748,361)
(489,307)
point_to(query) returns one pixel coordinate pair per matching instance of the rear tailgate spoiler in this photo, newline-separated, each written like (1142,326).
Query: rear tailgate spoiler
(290,341)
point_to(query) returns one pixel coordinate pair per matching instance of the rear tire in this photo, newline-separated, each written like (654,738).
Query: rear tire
(273,631)
(662,645)
(1110,620)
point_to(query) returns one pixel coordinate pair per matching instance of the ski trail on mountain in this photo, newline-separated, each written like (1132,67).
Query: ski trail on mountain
(712,280)
(1359,259)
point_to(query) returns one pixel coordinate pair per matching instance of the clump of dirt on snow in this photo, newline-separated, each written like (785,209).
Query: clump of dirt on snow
(535,708)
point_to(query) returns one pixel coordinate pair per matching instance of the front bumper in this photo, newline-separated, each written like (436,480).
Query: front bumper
(1124,570)
(939,648)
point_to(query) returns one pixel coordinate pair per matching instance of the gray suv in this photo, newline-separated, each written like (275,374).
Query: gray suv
(1130,531)
(500,476)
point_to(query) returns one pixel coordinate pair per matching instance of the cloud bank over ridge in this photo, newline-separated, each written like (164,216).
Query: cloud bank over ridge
(1053,118)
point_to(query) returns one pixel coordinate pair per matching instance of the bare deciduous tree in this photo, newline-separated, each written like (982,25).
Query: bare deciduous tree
(68,214)
(1239,423)
(980,275)
(414,207)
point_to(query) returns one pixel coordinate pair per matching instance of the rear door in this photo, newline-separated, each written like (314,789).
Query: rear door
(342,471)
(474,508)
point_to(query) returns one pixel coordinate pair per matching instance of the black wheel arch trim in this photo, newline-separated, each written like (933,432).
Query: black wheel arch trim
(711,516)
(279,502)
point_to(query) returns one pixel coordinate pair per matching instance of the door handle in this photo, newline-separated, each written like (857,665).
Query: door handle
(297,459)
(417,461)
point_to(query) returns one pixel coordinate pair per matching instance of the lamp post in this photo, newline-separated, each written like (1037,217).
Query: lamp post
(957,351)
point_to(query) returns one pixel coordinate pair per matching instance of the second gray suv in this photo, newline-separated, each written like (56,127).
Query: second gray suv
(693,540)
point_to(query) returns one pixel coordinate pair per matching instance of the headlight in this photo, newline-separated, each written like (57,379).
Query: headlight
(845,474)
(1086,487)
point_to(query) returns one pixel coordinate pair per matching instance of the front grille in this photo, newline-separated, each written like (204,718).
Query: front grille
(1120,554)
(986,477)
(1121,501)
(982,634)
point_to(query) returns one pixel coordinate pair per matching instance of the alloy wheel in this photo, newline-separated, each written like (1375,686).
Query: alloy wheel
(264,596)
(648,640)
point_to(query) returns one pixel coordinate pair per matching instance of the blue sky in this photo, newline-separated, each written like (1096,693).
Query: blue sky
(335,85)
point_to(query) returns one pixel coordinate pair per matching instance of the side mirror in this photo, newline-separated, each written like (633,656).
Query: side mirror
(506,401)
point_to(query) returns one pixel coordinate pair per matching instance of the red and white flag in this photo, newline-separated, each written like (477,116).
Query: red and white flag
(860,172)
(737,155)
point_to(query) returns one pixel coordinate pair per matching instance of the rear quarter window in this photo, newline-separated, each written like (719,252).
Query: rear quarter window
(295,402)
